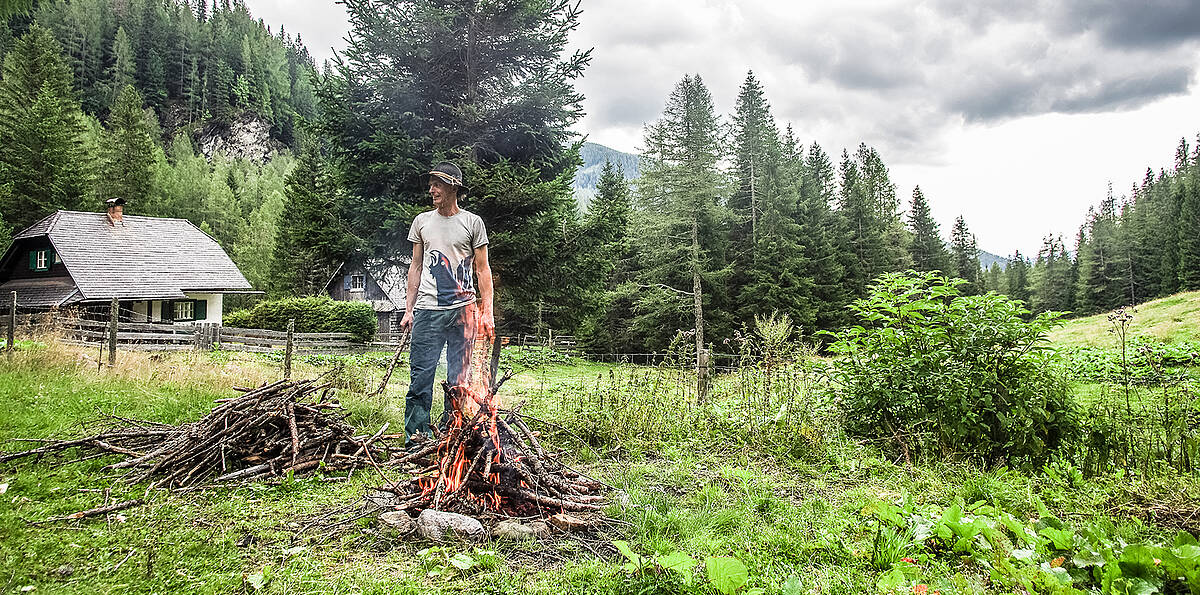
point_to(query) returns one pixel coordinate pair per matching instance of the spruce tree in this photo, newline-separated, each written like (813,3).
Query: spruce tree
(822,232)
(310,240)
(755,140)
(779,276)
(1053,278)
(128,153)
(605,249)
(42,155)
(489,85)
(965,258)
(124,66)
(877,241)
(1102,268)
(683,223)
(1017,279)
(928,249)
(1189,225)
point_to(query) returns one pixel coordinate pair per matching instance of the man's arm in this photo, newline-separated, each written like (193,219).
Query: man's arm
(414,283)
(483,271)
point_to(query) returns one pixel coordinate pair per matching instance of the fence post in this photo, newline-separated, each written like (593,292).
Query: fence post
(112,332)
(702,369)
(12,325)
(287,354)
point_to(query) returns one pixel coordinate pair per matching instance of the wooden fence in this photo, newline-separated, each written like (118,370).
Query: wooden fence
(143,336)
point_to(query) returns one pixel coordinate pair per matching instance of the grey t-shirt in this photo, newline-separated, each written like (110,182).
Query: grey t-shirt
(449,243)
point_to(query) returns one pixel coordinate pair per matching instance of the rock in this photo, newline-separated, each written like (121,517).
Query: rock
(436,525)
(398,521)
(514,531)
(65,570)
(567,522)
(540,529)
(246,135)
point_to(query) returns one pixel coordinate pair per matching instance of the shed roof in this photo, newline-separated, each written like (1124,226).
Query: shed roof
(145,258)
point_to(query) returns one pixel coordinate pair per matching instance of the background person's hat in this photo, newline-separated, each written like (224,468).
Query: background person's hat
(450,174)
(112,202)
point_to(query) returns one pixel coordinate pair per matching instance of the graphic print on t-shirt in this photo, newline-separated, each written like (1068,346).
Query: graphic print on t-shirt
(452,286)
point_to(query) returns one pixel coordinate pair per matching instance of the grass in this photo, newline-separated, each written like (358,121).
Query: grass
(1171,320)
(788,500)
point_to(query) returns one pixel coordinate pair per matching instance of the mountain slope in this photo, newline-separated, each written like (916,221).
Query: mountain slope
(588,175)
(1170,319)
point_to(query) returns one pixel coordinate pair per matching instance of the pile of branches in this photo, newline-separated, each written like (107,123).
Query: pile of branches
(492,463)
(276,429)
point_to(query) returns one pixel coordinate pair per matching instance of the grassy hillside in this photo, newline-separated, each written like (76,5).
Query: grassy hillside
(1170,319)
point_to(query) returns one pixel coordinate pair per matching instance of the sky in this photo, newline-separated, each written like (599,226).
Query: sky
(1015,114)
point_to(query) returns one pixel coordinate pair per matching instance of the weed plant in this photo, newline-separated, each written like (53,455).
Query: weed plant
(939,374)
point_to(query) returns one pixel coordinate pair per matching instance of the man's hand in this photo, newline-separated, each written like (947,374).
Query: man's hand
(406,322)
(486,325)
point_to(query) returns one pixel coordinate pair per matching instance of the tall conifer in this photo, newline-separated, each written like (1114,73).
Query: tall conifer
(928,249)
(487,84)
(128,153)
(684,223)
(42,154)
(965,257)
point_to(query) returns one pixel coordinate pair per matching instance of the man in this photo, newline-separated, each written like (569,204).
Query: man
(449,244)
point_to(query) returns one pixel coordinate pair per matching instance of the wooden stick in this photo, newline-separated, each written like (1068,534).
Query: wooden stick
(392,366)
(83,514)
(291,412)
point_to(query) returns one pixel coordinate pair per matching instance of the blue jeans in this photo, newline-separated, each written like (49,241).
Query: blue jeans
(431,330)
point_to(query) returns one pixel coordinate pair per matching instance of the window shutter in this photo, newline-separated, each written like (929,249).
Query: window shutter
(200,310)
(346,282)
(33,260)
(168,310)
(51,256)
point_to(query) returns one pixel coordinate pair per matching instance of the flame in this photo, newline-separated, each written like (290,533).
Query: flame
(468,400)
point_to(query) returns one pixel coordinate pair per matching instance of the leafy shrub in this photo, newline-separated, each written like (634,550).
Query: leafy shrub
(312,315)
(941,374)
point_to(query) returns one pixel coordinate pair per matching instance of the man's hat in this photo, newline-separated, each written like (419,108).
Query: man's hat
(112,202)
(450,174)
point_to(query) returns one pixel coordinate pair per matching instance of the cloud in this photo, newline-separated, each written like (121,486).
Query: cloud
(898,75)
(895,74)
(1145,24)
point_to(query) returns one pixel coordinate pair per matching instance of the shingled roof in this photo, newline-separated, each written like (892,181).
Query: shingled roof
(145,258)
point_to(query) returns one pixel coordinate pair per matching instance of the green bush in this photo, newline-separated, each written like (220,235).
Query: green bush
(941,374)
(312,315)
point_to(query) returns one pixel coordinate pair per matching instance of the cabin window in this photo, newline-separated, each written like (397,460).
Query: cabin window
(185,310)
(39,260)
(357,282)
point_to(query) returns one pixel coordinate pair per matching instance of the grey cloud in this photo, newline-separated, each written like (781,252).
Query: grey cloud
(1127,93)
(1146,23)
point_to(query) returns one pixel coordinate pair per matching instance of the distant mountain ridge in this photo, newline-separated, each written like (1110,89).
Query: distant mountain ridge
(588,175)
(987,258)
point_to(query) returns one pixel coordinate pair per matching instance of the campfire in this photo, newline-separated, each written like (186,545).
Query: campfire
(488,460)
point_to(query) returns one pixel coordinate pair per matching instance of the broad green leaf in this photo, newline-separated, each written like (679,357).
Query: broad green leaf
(726,574)
(623,547)
(1087,557)
(891,580)
(462,561)
(678,562)
(1063,539)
